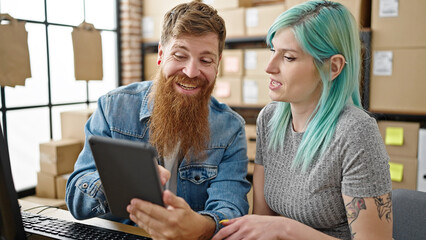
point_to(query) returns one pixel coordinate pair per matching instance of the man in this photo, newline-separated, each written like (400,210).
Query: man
(201,142)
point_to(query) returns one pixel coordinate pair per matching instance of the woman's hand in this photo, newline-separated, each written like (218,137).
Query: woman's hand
(252,227)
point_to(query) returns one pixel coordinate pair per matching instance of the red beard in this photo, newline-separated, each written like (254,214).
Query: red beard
(179,118)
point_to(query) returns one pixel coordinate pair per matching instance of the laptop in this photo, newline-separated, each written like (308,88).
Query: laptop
(16,225)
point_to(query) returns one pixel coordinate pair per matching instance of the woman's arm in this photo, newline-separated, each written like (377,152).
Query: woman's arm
(259,203)
(370,217)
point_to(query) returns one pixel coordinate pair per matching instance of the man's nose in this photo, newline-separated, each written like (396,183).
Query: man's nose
(191,69)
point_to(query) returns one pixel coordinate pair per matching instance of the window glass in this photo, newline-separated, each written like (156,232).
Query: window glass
(33,10)
(26,129)
(65,11)
(110,75)
(64,86)
(101,13)
(56,117)
(36,87)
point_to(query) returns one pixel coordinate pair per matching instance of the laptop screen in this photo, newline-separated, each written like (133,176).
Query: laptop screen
(11,226)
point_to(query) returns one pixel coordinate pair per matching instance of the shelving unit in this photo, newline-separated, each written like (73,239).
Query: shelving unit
(250,112)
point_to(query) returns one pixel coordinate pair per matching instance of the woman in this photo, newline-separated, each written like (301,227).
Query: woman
(321,166)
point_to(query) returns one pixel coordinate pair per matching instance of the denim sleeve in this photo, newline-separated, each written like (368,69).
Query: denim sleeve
(228,191)
(84,196)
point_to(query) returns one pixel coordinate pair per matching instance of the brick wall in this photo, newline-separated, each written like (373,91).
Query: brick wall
(131,15)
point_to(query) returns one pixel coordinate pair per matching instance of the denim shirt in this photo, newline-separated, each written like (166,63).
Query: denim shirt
(216,187)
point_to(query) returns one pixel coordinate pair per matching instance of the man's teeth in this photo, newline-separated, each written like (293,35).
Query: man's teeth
(275,83)
(187,86)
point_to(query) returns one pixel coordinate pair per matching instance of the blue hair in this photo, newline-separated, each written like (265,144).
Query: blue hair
(322,29)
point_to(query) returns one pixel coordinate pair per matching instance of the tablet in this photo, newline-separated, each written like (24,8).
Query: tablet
(128,169)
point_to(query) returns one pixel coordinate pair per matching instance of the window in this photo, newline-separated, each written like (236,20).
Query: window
(30,114)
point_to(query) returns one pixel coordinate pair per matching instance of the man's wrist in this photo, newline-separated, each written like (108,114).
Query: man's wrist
(209,227)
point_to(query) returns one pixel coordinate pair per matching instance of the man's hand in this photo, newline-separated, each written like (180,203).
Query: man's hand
(164,175)
(177,221)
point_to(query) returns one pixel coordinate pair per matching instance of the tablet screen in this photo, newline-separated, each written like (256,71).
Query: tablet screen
(128,169)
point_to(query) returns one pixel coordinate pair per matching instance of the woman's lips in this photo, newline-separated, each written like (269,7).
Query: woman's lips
(274,84)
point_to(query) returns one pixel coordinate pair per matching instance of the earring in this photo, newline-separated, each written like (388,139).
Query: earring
(159,61)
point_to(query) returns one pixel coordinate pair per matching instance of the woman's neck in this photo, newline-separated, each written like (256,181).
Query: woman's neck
(301,115)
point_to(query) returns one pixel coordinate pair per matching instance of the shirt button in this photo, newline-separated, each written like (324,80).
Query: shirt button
(197,178)
(85,185)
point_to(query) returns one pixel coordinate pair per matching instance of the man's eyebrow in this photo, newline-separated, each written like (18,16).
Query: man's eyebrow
(176,45)
(180,46)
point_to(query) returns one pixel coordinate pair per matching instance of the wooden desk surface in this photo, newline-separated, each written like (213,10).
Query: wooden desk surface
(66,215)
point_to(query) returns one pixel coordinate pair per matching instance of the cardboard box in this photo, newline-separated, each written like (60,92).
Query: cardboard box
(256,61)
(360,9)
(228,90)
(398,81)
(408,136)
(58,157)
(259,19)
(228,4)
(421,173)
(232,63)
(398,23)
(151,28)
(409,175)
(46,185)
(150,66)
(61,183)
(159,7)
(234,22)
(265,2)
(73,122)
(255,91)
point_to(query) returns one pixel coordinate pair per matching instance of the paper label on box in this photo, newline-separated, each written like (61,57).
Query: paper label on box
(252,17)
(222,89)
(388,8)
(208,2)
(250,91)
(250,60)
(231,64)
(147,27)
(382,64)
(396,171)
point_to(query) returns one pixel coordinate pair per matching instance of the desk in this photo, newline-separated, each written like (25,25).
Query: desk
(66,215)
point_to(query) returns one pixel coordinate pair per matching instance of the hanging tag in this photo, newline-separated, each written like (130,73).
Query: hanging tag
(14,56)
(87,46)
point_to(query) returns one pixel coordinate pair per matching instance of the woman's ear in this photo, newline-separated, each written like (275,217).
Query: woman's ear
(337,63)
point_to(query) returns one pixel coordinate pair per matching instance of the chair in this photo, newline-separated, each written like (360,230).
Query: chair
(409,214)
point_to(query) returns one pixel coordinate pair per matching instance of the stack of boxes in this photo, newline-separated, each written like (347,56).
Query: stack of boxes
(398,76)
(398,81)
(57,158)
(242,78)
(402,141)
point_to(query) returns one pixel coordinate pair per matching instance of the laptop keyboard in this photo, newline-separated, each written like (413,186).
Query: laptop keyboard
(62,229)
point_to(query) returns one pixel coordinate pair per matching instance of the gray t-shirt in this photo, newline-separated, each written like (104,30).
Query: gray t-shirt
(355,164)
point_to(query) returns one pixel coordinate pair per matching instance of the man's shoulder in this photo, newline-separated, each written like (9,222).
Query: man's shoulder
(135,88)
(221,110)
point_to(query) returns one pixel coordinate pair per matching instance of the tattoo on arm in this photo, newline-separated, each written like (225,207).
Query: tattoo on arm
(352,211)
(384,206)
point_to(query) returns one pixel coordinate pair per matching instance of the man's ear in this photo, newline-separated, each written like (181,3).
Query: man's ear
(337,63)
(218,63)
(160,54)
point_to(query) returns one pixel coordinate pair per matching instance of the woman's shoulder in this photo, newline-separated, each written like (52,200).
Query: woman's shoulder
(357,119)
(268,110)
